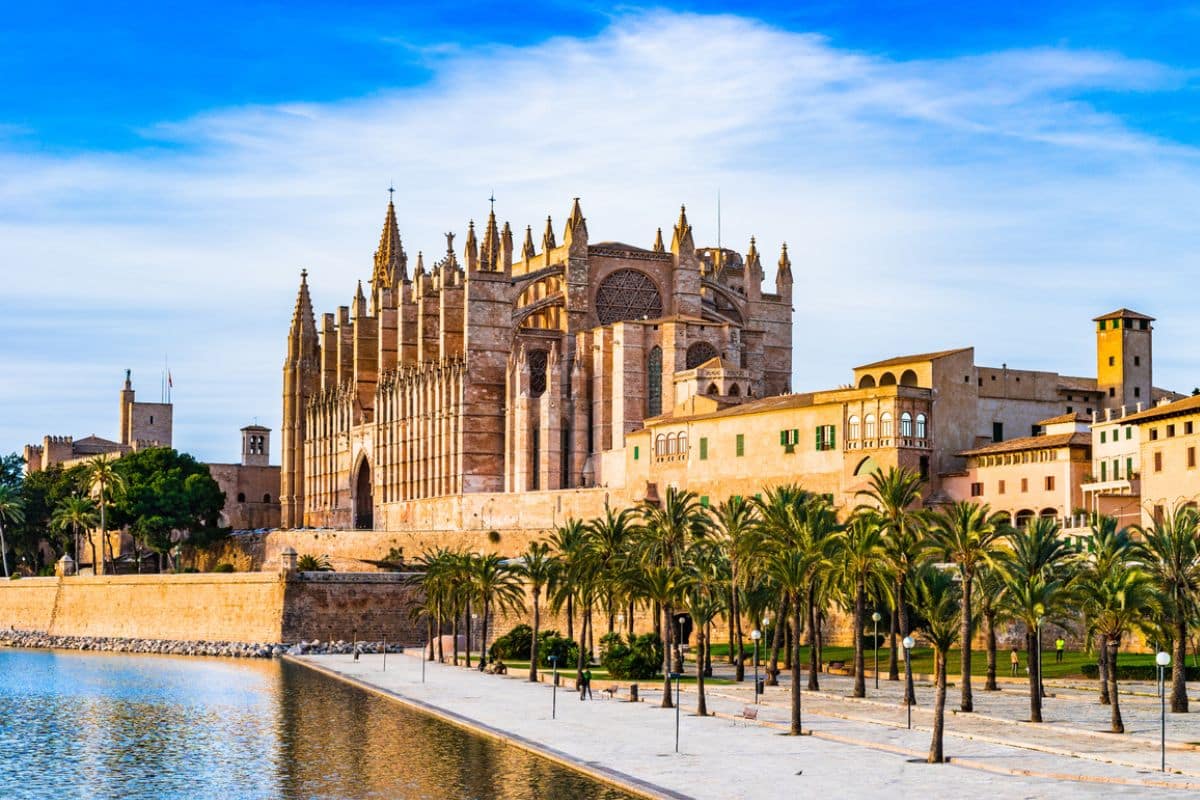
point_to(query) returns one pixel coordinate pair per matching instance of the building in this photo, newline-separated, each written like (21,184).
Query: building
(1113,488)
(251,486)
(141,425)
(1168,437)
(511,372)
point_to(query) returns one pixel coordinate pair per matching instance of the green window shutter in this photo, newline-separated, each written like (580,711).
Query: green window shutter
(783,437)
(635,453)
(1129,469)
(703,448)
(1129,432)
(1103,470)
(1102,434)
(703,499)
(741,445)
(820,437)
(1117,469)
(833,437)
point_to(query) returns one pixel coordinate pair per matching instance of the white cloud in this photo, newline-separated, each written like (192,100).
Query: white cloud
(972,200)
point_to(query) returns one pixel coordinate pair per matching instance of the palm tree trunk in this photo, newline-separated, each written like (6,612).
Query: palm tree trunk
(570,617)
(787,644)
(454,636)
(893,659)
(777,642)
(629,619)
(467,622)
(910,692)
(3,550)
(1102,668)
(814,651)
(583,629)
(795,729)
(707,649)
(533,644)
(441,627)
(666,637)
(1035,679)
(819,630)
(860,610)
(735,629)
(936,755)
(1179,701)
(989,619)
(429,639)
(1118,725)
(968,703)
(483,636)
(702,643)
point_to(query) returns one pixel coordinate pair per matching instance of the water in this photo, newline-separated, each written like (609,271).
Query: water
(90,725)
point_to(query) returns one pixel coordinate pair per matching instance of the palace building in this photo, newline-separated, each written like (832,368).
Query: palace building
(506,372)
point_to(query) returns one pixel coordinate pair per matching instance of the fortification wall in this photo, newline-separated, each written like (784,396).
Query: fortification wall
(27,604)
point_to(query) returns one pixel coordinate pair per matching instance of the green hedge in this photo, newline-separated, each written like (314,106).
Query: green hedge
(1138,672)
(514,645)
(636,657)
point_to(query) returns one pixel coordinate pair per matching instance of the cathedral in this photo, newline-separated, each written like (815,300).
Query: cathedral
(500,372)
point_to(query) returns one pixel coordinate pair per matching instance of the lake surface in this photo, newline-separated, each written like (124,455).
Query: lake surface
(92,725)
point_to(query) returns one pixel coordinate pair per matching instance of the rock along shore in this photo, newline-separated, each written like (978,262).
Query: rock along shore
(44,641)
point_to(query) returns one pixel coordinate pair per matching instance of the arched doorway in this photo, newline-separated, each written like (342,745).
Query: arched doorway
(364,504)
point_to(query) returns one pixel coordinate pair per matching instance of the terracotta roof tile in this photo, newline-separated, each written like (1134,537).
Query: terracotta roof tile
(1185,406)
(1032,443)
(892,362)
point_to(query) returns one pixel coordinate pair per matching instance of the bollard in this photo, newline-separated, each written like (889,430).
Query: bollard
(633,692)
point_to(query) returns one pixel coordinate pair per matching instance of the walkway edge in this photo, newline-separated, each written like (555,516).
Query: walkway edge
(606,775)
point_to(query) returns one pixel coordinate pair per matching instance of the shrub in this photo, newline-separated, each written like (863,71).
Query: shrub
(311,563)
(514,644)
(16,576)
(639,657)
(223,567)
(1138,672)
(551,644)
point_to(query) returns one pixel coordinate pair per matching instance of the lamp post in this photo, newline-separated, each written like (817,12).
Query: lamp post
(875,617)
(1163,659)
(679,620)
(908,646)
(755,634)
(675,676)
(553,659)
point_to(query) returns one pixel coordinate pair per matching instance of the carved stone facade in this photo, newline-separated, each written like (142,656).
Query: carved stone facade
(512,372)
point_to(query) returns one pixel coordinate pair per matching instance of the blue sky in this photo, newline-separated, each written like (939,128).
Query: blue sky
(945,174)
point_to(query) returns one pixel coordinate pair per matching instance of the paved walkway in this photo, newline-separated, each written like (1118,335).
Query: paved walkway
(856,748)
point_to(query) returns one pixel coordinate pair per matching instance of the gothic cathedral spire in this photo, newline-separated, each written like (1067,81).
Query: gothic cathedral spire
(391,262)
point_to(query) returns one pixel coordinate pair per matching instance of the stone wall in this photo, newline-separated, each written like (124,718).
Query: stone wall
(248,607)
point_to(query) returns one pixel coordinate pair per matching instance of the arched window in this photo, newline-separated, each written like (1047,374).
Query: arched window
(683,444)
(855,427)
(867,382)
(887,379)
(627,294)
(908,378)
(713,390)
(885,424)
(671,444)
(921,426)
(660,445)
(735,391)
(654,382)
(698,353)
(537,372)
(870,426)
(906,424)
(266,498)
(241,497)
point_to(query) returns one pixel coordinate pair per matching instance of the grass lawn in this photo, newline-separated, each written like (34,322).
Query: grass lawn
(601,674)
(922,660)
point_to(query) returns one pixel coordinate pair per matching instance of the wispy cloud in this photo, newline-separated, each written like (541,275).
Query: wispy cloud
(971,200)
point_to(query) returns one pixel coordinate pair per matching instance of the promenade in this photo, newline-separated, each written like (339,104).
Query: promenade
(856,748)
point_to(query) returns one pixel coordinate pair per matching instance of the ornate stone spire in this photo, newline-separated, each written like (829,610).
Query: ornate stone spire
(359,306)
(303,320)
(420,270)
(506,247)
(489,251)
(682,238)
(659,247)
(471,252)
(753,261)
(391,262)
(548,242)
(575,220)
(528,251)
(783,276)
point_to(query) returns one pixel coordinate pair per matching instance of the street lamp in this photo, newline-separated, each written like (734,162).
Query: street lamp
(875,618)
(1163,659)
(908,646)
(755,634)
(675,676)
(553,659)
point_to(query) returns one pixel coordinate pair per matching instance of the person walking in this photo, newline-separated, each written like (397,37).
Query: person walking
(585,687)
(1014,661)
(1060,646)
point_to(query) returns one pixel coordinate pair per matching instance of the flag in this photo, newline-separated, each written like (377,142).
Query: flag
(170,383)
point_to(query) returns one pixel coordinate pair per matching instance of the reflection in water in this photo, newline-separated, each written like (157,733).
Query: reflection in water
(90,725)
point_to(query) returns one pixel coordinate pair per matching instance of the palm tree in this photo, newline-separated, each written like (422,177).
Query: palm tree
(435,580)
(992,594)
(608,537)
(663,585)
(73,514)
(1110,546)
(858,554)
(1170,552)
(101,474)
(896,496)
(1115,602)
(566,540)
(783,513)
(538,567)
(703,596)
(934,598)
(734,523)
(964,533)
(791,568)
(498,586)
(12,510)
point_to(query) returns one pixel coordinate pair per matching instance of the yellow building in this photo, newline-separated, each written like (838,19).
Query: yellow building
(1169,438)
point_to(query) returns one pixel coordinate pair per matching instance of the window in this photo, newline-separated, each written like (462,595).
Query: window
(885,424)
(1170,431)
(704,448)
(1187,429)
(266,498)
(1191,457)
(1153,434)
(1128,432)
(1112,392)
(1129,469)
(997,431)
(635,453)
(660,445)
(1000,488)
(1103,471)
(924,467)
(627,294)
(976,489)
(1137,391)
(241,497)
(654,382)
(740,445)
(869,425)
(683,443)
(906,428)
(1102,437)
(1137,361)
(789,438)
(1112,361)
(1117,469)
(1049,483)
(1024,484)
(855,428)
(1158,461)
(920,426)
(826,438)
